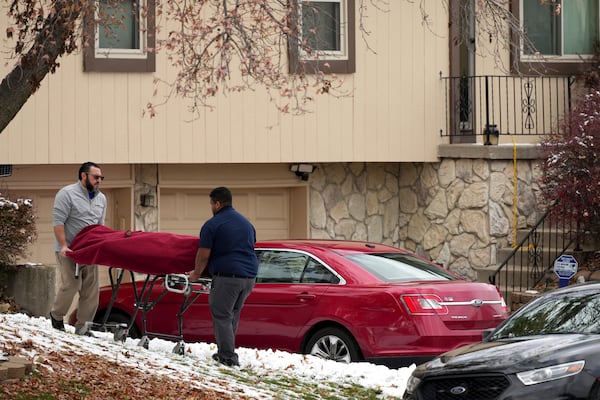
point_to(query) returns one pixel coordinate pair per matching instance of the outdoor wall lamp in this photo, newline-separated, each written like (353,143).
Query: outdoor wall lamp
(302,170)
(492,134)
(147,200)
(5,170)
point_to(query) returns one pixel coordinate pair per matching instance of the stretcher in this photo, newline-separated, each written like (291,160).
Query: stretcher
(161,258)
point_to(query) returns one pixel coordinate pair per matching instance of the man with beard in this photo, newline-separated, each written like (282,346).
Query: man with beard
(75,207)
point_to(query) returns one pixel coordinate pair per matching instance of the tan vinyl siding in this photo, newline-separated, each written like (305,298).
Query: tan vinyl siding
(393,112)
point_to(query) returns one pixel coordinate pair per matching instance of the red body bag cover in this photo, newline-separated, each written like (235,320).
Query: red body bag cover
(154,253)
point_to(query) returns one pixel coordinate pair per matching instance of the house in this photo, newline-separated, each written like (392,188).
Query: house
(401,158)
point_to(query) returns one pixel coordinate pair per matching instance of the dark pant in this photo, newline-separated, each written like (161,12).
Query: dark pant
(226,299)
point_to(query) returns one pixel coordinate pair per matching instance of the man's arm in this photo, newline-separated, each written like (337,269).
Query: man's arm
(201,262)
(59,234)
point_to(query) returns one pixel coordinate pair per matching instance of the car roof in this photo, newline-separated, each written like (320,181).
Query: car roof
(339,246)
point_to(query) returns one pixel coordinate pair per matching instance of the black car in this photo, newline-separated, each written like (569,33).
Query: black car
(549,349)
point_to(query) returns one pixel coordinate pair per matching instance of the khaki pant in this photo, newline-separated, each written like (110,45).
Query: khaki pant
(86,284)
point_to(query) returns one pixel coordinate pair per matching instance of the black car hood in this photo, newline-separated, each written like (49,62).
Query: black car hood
(513,355)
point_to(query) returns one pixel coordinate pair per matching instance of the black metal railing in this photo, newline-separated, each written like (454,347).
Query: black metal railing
(516,105)
(531,262)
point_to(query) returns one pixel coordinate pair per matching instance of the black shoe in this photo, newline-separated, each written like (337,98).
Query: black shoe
(57,323)
(229,363)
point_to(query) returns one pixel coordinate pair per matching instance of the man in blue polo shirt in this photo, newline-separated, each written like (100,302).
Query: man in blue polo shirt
(227,248)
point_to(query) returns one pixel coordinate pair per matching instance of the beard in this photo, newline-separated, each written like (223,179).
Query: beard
(88,185)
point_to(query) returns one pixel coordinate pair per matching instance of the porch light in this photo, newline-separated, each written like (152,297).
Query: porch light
(492,134)
(5,170)
(302,170)
(147,200)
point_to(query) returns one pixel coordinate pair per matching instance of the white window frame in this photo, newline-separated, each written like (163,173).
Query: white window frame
(124,53)
(552,57)
(341,54)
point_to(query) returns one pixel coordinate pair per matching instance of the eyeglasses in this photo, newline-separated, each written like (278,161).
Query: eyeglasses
(96,177)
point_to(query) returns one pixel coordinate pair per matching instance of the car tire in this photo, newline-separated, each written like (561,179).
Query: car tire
(119,318)
(333,344)
(595,392)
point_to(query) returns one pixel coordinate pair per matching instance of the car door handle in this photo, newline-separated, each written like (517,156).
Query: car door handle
(306,297)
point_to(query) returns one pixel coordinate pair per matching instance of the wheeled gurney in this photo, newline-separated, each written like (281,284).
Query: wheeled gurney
(162,258)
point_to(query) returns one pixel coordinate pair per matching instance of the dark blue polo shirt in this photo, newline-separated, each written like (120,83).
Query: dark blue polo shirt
(230,238)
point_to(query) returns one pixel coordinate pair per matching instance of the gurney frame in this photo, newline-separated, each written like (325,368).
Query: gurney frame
(175,283)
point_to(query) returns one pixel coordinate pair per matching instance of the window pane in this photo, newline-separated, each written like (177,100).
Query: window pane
(321,25)
(280,266)
(580,20)
(398,267)
(317,273)
(540,23)
(118,27)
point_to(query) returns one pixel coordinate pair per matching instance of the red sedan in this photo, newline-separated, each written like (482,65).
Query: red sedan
(341,300)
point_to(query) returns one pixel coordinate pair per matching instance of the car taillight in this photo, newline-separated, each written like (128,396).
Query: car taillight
(424,304)
(503,305)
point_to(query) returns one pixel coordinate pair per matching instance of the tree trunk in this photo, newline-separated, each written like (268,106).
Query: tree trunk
(56,38)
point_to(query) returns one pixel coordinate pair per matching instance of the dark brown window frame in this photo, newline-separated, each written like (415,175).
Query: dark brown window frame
(93,63)
(299,65)
(540,67)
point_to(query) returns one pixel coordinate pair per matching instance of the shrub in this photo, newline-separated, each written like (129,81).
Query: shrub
(571,165)
(17,229)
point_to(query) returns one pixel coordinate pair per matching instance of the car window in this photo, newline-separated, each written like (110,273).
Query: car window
(398,267)
(575,312)
(316,272)
(282,266)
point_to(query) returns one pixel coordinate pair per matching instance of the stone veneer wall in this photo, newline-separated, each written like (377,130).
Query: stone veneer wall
(457,212)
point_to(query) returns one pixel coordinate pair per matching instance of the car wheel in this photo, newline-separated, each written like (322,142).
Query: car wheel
(333,344)
(595,392)
(116,318)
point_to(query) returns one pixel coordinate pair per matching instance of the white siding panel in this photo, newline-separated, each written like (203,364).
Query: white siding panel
(248,120)
(121,109)
(68,112)
(136,106)
(370,97)
(96,115)
(224,131)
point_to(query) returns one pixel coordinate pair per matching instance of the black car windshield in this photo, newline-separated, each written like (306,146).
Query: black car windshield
(398,267)
(573,312)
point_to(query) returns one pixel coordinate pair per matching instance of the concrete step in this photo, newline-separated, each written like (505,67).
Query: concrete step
(14,367)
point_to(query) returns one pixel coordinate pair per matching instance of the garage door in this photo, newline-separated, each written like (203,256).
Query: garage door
(184,211)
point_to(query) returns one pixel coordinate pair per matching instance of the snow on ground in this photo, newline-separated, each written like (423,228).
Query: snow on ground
(197,366)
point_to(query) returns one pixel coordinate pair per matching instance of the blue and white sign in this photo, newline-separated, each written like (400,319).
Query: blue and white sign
(565,267)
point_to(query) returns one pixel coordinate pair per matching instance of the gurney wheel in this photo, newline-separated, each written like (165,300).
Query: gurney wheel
(144,341)
(179,348)
(121,332)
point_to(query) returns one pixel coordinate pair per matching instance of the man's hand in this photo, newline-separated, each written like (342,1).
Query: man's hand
(193,275)
(63,250)
(200,263)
